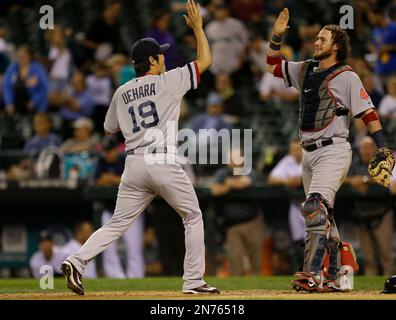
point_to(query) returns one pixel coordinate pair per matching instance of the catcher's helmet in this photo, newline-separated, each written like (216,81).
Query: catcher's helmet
(390,285)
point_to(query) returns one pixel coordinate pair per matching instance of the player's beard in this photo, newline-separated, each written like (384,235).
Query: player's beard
(323,55)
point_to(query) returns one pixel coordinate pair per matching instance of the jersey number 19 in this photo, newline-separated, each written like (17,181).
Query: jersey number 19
(151,111)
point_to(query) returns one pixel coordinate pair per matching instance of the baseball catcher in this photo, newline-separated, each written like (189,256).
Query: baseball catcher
(331,95)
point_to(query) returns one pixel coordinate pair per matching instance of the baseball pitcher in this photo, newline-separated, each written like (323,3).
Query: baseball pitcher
(331,94)
(151,101)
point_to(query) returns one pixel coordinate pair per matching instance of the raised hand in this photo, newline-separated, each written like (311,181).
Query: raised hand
(193,17)
(280,26)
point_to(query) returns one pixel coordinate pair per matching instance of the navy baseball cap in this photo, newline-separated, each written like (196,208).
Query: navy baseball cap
(145,48)
(45,235)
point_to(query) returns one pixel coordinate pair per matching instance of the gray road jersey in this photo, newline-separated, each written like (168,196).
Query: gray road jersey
(346,88)
(147,104)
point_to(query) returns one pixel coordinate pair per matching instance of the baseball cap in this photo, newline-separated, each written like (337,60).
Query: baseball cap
(145,48)
(83,123)
(45,235)
(214,98)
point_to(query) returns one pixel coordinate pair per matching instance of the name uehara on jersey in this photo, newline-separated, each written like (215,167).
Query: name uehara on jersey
(138,93)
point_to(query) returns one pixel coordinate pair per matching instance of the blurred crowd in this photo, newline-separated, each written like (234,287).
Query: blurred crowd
(56,89)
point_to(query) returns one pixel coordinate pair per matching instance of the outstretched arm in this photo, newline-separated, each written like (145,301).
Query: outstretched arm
(274,53)
(194,21)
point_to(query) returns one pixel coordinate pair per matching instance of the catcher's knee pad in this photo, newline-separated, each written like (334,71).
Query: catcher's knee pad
(317,225)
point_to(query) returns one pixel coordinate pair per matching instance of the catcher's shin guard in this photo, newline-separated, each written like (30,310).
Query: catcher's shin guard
(317,225)
(339,265)
(334,259)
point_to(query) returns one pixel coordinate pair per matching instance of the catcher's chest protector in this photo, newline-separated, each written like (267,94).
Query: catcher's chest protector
(318,106)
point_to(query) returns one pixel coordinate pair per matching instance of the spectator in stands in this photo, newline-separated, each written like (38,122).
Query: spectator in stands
(103,36)
(233,106)
(211,123)
(4,62)
(369,85)
(60,62)
(83,139)
(273,89)
(160,32)
(258,48)
(384,41)
(76,102)
(359,64)
(82,231)
(5,50)
(108,173)
(43,137)
(245,228)
(25,85)
(99,88)
(228,39)
(178,6)
(308,35)
(213,118)
(121,70)
(48,255)
(188,49)
(248,11)
(373,87)
(211,7)
(288,173)
(374,217)
(387,107)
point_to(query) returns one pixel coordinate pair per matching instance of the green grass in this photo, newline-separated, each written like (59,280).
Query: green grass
(281,283)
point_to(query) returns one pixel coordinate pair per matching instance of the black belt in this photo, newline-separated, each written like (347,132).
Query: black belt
(153,150)
(319,144)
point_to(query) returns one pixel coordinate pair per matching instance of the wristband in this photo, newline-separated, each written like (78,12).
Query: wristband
(276,42)
(276,39)
(378,138)
(274,46)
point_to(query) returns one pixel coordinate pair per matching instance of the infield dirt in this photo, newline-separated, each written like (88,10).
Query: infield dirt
(225,295)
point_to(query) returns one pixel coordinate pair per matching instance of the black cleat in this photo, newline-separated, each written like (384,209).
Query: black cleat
(73,278)
(205,289)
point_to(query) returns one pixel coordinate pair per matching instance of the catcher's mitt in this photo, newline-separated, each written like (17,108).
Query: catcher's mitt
(381,166)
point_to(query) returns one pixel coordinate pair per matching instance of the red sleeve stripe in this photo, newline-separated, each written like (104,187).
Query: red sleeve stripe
(197,72)
(278,70)
(371,116)
(273,60)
